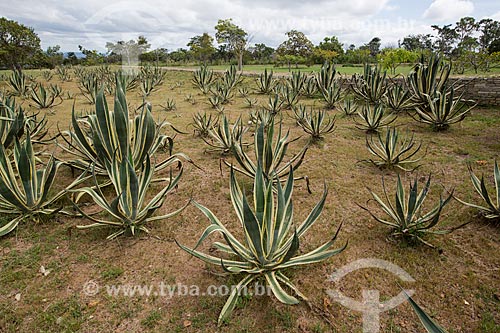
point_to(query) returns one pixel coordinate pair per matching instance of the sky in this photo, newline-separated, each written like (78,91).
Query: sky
(171,23)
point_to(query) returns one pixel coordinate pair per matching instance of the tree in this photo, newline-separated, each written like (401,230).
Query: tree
(234,37)
(490,32)
(393,58)
(357,55)
(262,53)
(296,48)
(18,44)
(418,42)
(71,59)
(54,56)
(373,46)
(331,44)
(129,51)
(464,29)
(445,39)
(202,47)
(92,57)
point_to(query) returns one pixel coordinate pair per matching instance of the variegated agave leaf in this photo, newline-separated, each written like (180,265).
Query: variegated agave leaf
(492,208)
(406,217)
(269,153)
(98,137)
(271,239)
(128,210)
(393,150)
(24,188)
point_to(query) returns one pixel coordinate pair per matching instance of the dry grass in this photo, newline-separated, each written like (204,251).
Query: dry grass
(459,285)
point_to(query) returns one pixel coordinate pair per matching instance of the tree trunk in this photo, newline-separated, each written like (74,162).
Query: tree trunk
(240,61)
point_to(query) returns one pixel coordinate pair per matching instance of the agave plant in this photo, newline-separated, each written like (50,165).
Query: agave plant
(443,110)
(37,129)
(406,217)
(148,85)
(275,104)
(243,91)
(492,208)
(348,108)
(56,90)
(169,105)
(63,73)
(18,82)
(332,95)
(215,101)
(372,118)
(299,114)
(231,78)
(155,74)
(89,86)
(371,87)
(261,116)
(12,122)
(203,123)
(203,78)
(326,76)
(269,153)
(290,97)
(128,80)
(222,91)
(98,137)
(317,124)
(47,75)
(271,242)
(296,82)
(310,88)
(251,102)
(224,136)
(265,82)
(128,210)
(42,97)
(426,79)
(393,150)
(398,99)
(25,191)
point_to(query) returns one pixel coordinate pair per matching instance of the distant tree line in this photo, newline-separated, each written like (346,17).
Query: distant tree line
(469,44)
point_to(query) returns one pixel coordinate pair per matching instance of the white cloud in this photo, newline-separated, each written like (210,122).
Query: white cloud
(447,10)
(171,23)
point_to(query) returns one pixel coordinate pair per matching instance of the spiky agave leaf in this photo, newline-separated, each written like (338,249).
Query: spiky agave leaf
(371,87)
(12,123)
(269,152)
(271,240)
(317,123)
(24,188)
(406,217)
(128,210)
(265,82)
(203,123)
(348,108)
(429,324)
(393,150)
(428,78)
(492,208)
(42,97)
(98,137)
(203,78)
(398,98)
(443,110)
(372,118)
(223,136)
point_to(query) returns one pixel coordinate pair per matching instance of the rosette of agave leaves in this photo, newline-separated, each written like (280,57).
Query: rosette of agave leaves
(271,239)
